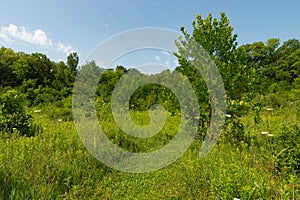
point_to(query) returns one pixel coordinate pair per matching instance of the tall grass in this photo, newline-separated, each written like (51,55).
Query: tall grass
(54,164)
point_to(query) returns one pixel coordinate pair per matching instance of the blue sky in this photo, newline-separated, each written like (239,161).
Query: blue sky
(58,27)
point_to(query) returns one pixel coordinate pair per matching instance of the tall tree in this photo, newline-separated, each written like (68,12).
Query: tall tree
(72,62)
(7,58)
(217,38)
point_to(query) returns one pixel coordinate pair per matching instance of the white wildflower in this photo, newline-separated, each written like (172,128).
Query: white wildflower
(37,111)
(228,115)
(264,132)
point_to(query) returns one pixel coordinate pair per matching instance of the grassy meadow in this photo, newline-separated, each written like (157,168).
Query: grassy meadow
(54,164)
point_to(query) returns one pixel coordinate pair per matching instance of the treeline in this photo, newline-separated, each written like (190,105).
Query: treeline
(271,67)
(36,76)
(267,66)
(32,80)
(277,66)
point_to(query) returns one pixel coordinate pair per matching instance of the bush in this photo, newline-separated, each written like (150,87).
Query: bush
(274,100)
(61,110)
(13,117)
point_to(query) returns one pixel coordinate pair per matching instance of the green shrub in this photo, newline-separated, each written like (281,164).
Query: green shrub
(234,130)
(61,110)
(274,100)
(13,117)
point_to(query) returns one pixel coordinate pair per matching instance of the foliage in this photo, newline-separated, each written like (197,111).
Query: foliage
(7,58)
(277,66)
(143,97)
(60,110)
(289,156)
(217,38)
(36,76)
(13,116)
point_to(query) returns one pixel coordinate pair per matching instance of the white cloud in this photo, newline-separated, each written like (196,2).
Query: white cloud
(12,33)
(63,48)
(168,62)
(4,39)
(157,58)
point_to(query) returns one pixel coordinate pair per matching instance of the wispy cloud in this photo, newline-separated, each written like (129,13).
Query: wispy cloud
(12,34)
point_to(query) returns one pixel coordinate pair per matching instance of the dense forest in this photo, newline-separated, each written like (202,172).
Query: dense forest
(256,157)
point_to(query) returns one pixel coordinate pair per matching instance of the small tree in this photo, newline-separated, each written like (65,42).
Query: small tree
(216,37)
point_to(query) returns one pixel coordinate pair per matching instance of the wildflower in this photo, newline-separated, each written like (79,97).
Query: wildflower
(60,120)
(236,199)
(14,129)
(37,111)
(269,109)
(264,132)
(228,115)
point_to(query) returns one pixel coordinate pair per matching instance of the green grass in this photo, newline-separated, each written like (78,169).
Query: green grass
(54,164)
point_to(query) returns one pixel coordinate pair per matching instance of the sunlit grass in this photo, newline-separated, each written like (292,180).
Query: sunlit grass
(54,164)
